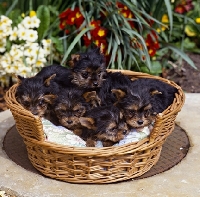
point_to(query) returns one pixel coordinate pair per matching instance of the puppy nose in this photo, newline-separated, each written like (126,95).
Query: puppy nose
(69,121)
(35,113)
(95,83)
(140,122)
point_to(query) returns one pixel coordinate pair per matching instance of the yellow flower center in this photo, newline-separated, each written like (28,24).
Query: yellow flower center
(165,19)
(101,32)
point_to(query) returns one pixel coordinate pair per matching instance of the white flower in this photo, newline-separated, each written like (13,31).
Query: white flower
(35,22)
(40,53)
(5,21)
(47,50)
(25,70)
(2,45)
(46,43)
(22,33)
(13,34)
(30,22)
(32,35)
(26,22)
(40,62)
(31,59)
(15,52)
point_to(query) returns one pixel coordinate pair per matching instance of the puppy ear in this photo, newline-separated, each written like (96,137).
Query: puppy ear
(87,122)
(88,96)
(50,98)
(74,58)
(153,92)
(20,79)
(48,80)
(118,93)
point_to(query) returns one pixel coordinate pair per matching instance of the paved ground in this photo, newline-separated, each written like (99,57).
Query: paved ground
(183,180)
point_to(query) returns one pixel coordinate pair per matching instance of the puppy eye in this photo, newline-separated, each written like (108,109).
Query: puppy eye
(84,75)
(113,129)
(124,132)
(41,102)
(99,73)
(26,103)
(146,113)
(132,112)
(77,111)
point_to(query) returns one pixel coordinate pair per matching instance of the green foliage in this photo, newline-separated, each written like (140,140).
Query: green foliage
(137,36)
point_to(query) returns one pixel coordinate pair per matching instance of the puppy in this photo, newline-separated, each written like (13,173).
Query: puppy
(62,76)
(105,124)
(161,94)
(115,80)
(88,69)
(35,95)
(144,100)
(69,106)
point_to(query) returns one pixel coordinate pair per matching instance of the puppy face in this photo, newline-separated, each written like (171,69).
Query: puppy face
(34,95)
(137,110)
(113,132)
(88,69)
(138,116)
(105,124)
(69,107)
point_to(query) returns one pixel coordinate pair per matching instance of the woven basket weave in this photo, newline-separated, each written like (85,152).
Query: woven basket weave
(90,164)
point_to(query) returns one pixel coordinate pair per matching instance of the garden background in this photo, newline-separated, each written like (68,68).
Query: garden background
(159,37)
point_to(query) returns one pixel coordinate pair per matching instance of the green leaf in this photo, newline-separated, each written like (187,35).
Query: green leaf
(43,14)
(75,41)
(58,44)
(181,54)
(169,10)
(11,7)
(156,67)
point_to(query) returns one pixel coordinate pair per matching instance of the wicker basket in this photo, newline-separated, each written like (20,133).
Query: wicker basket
(94,165)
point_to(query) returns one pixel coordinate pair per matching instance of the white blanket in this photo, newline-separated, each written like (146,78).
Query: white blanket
(63,136)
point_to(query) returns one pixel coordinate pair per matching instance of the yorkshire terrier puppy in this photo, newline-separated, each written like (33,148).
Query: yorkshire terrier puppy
(88,69)
(62,76)
(115,80)
(105,124)
(35,95)
(69,106)
(144,100)
(161,94)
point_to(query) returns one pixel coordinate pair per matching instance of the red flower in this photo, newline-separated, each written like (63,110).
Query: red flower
(184,6)
(65,14)
(71,17)
(152,43)
(86,40)
(99,33)
(126,12)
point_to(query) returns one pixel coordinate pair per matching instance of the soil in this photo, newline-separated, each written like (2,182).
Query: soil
(185,76)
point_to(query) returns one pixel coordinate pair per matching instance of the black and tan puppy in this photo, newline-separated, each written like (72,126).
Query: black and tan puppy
(144,100)
(69,106)
(115,80)
(105,124)
(62,76)
(88,69)
(35,95)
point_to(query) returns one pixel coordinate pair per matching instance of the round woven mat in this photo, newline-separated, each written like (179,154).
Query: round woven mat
(173,151)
